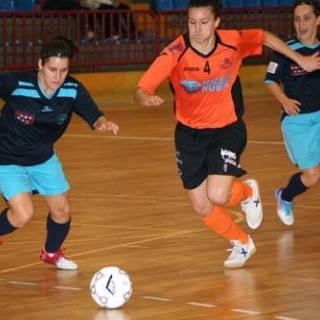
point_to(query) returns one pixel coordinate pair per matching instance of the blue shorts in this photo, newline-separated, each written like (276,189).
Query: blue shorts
(46,178)
(301,135)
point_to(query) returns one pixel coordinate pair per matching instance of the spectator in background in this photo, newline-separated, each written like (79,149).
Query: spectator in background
(86,24)
(116,25)
(111,25)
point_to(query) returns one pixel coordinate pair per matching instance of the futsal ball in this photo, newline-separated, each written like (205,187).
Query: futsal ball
(111,287)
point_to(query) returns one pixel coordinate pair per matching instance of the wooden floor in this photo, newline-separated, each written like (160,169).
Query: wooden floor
(130,210)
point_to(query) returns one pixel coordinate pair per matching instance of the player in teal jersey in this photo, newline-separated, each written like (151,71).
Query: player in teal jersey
(38,108)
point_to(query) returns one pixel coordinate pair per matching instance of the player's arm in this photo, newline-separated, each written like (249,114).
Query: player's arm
(159,71)
(308,63)
(290,106)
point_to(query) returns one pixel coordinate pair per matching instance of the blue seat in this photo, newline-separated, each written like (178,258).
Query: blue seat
(286,3)
(181,4)
(7,5)
(234,4)
(162,5)
(252,3)
(271,3)
(24,5)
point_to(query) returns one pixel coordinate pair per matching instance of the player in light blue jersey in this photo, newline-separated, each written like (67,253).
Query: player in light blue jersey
(299,94)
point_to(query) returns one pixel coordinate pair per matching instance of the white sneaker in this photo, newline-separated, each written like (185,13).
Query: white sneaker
(252,206)
(284,209)
(240,253)
(58,259)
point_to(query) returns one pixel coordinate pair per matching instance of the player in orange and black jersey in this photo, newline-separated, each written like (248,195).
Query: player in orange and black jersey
(38,106)
(299,94)
(203,69)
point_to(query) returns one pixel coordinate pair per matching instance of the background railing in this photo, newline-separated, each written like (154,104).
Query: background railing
(23,32)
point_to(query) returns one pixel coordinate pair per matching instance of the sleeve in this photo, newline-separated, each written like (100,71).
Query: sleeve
(85,106)
(274,69)
(251,42)
(161,67)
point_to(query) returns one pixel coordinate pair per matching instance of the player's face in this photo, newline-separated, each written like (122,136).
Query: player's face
(53,72)
(202,23)
(306,24)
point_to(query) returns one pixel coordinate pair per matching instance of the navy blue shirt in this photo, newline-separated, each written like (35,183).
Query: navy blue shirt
(31,122)
(297,83)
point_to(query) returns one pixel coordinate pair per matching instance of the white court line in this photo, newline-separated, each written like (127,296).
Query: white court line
(68,288)
(23,283)
(155,298)
(152,138)
(286,318)
(197,304)
(204,305)
(246,311)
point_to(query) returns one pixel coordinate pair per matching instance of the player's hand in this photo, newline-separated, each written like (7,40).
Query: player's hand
(102,124)
(291,106)
(311,63)
(144,99)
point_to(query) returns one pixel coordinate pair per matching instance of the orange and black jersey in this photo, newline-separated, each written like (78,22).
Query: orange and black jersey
(206,87)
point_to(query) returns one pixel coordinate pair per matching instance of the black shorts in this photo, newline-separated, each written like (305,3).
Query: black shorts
(200,152)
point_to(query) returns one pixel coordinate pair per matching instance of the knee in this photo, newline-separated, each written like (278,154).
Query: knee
(218,197)
(203,210)
(311,178)
(19,218)
(62,214)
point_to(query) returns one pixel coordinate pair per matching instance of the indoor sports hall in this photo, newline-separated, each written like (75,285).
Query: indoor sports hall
(129,208)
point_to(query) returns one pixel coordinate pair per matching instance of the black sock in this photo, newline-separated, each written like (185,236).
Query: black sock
(5,225)
(294,188)
(56,234)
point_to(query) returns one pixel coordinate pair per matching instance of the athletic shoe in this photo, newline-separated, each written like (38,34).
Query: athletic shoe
(240,253)
(252,206)
(58,259)
(284,209)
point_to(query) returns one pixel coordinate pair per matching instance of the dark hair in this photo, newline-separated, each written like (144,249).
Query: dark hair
(215,5)
(312,3)
(58,46)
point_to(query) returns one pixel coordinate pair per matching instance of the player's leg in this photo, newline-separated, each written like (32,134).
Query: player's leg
(16,189)
(221,222)
(58,227)
(50,181)
(302,141)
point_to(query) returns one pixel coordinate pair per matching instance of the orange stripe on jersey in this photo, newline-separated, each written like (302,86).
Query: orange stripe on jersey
(203,84)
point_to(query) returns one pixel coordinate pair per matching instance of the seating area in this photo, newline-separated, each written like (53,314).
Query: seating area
(23,32)
(18,5)
(257,3)
(155,5)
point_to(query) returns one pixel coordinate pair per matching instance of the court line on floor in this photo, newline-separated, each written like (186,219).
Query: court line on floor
(148,138)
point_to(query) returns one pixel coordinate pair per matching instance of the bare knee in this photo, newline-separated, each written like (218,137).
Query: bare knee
(21,210)
(203,210)
(218,197)
(310,178)
(61,214)
(20,217)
